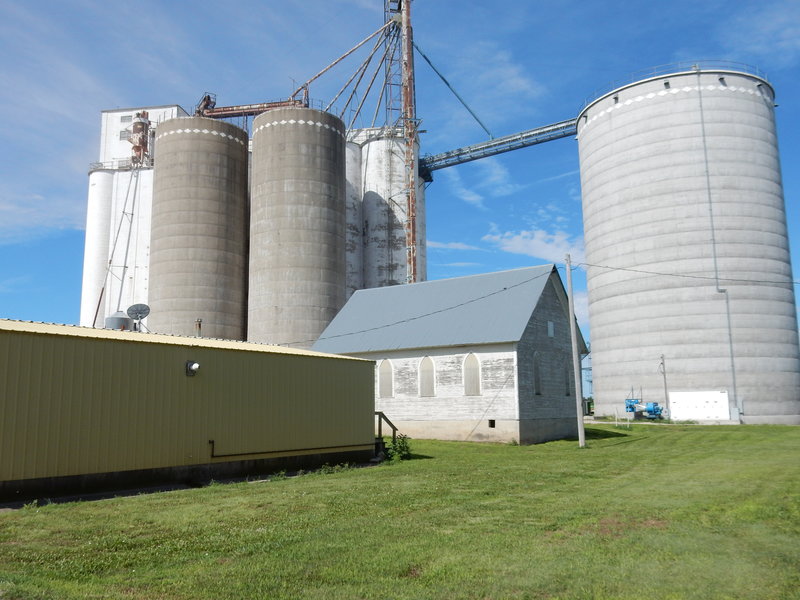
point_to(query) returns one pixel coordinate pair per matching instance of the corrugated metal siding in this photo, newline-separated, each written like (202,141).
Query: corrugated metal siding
(80,405)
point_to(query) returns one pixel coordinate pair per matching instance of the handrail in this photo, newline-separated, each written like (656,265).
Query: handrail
(675,68)
(121,164)
(381,418)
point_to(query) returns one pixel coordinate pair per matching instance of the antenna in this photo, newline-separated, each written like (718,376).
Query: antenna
(137,312)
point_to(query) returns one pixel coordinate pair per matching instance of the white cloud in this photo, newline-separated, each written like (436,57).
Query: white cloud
(462,264)
(27,216)
(462,192)
(450,245)
(552,247)
(493,180)
(496,179)
(14,284)
(767,31)
(559,176)
(581,302)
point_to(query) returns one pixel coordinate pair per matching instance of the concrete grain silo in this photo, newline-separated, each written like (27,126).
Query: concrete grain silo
(199,229)
(297,276)
(385,184)
(689,277)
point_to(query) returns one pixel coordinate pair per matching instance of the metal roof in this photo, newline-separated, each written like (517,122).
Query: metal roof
(152,338)
(479,309)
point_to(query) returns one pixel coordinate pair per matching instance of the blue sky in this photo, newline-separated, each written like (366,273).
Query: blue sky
(519,65)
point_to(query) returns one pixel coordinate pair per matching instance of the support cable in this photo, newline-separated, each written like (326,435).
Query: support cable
(341,58)
(360,70)
(366,93)
(113,250)
(455,93)
(134,174)
(392,40)
(686,276)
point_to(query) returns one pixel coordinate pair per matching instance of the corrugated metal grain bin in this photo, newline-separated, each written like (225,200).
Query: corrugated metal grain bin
(91,409)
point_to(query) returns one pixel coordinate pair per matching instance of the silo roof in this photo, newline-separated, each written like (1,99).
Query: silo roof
(478,309)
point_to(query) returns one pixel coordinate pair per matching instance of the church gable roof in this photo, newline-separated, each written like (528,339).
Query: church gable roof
(478,309)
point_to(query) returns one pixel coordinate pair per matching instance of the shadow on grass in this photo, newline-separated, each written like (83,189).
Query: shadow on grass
(414,456)
(600,434)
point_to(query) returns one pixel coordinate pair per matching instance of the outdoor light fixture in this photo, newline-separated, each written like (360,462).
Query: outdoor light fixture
(192,367)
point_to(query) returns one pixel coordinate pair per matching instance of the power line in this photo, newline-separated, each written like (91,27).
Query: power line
(686,276)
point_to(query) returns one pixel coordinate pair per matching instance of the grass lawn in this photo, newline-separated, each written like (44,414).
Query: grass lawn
(651,512)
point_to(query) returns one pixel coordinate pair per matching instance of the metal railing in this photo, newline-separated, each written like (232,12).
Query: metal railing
(381,418)
(121,164)
(674,68)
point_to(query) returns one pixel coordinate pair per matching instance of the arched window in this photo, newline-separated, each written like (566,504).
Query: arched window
(427,377)
(537,374)
(385,376)
(472,375)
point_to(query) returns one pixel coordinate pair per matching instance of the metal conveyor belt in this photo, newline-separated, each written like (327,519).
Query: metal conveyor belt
(430,163)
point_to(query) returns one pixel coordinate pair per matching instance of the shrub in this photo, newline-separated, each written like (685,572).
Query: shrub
(399,448)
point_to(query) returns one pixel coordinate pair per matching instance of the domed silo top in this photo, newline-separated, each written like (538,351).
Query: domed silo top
(656,83)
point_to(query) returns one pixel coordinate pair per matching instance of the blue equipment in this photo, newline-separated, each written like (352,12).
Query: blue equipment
(651,410)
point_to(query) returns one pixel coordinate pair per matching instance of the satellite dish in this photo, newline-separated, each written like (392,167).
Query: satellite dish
(138,311)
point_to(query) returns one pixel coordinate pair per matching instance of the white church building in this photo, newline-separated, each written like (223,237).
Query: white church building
(480,358)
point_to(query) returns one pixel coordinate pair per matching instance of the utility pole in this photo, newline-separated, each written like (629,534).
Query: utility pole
(663,368)
(410,135)
(576,365)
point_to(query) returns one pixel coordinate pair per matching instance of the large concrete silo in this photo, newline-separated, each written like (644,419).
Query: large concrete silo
(686,241)
(297,226)
(385,210)
(199,229)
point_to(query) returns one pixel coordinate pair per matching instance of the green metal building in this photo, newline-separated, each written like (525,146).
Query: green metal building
(84,409)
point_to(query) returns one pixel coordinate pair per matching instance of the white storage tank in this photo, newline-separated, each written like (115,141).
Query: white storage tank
(297,277)
(95,257)
(687,244)
(354,219)
(385,211)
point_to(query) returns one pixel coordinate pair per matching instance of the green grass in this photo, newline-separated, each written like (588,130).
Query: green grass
(650,512)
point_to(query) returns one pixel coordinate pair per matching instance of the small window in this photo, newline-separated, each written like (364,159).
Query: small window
(666,85)
(124,134)
(491,423)
(126,118)
(472,375)
(551,329)
(427,377)
(616,99)
(385,376)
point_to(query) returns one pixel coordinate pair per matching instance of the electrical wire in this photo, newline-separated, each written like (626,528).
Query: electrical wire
(422,316)
(686,276)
